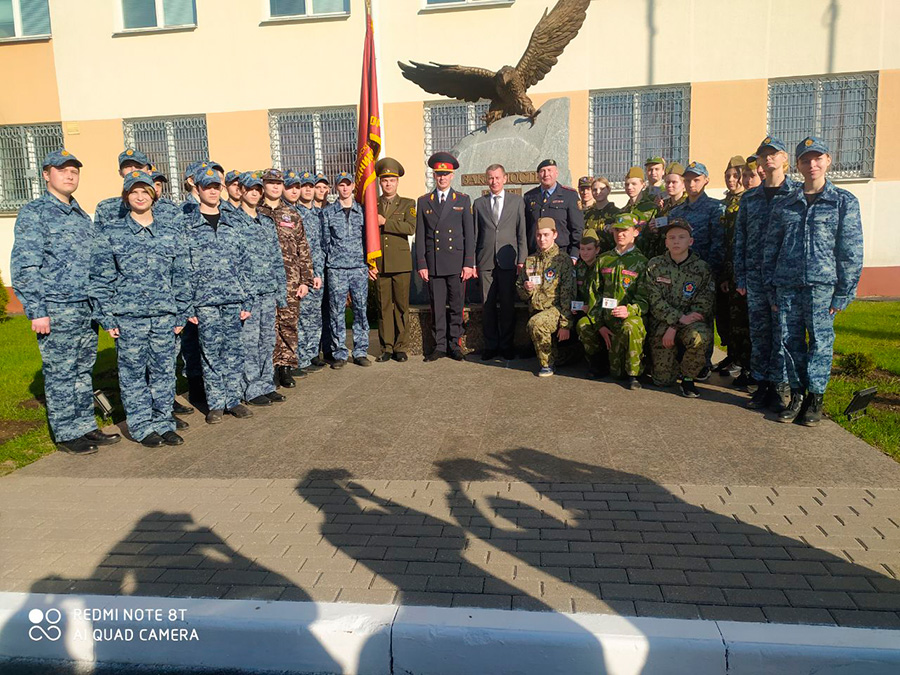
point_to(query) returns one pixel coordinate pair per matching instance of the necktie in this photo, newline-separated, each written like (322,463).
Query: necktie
(442,199)
(496,208)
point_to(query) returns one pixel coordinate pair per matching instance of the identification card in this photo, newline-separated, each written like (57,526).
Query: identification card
(577,305)
(610,303)
(661,222)
(535,279)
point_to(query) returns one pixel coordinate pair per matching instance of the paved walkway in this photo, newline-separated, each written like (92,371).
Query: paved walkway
(477,485)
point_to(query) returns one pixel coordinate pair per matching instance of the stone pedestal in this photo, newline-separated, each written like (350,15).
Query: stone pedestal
(421,342)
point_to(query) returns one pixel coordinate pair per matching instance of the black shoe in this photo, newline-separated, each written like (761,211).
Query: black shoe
(633,383)
(813,413)
(260,400)
(780,397)
(171,438)
(77,446)
(214,416)
(435,355)
(298,373)
(319,361)
(179,408)
(97,437)
(760,397)
(510,354)
(400,357)
(742,380)
(703,375)
(457,355)
(311,368)
(383,357)
(790,412)
(340,363)
(489,354)
(275,397)
(283,377)
(153,440)
(180,424)
(689,389)
(241,411)
(724,365)
(362,361)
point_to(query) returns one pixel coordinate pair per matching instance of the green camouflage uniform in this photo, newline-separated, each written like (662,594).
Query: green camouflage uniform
(620,277)
(598,219)
(674,290)
(587,289)
(731,307)
(644,209)
(550,302)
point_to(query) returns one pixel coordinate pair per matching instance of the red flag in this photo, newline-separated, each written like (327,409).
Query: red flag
(368,144)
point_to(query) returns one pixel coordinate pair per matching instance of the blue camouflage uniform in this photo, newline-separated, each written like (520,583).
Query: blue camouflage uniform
(345,261)
(704,216)
(114,208)
(266,286)
(812,263)
(50,268)
(766,354)
(220,290)
(325,342)
(310,333)
(139,285)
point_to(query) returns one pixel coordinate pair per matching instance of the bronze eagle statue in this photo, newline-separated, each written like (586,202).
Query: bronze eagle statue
(506,88)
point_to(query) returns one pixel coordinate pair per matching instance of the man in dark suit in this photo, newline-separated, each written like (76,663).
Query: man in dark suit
(397,220)
(552,200)
(500,251)
(445,254)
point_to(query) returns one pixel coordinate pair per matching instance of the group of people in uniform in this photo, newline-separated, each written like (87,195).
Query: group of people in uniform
(250,277)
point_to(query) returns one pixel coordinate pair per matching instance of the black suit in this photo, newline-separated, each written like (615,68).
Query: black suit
(445,243)
(500,246)
(562,206)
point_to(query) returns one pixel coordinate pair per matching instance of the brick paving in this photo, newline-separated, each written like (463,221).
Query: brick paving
(472,485)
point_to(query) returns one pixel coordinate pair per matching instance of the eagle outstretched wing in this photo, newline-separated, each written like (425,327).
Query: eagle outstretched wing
(554,31)
(462,82)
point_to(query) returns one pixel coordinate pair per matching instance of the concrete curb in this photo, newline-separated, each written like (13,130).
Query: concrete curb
(304,637)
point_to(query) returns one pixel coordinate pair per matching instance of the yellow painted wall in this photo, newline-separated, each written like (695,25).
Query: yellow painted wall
(887,132)
(240,140)
(404,137)
(29,87)
(97,144)
(727,119)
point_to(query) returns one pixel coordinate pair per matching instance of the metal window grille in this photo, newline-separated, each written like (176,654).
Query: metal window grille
(628,126)
(22,150)
(171,143)
(282,8)
(314,140)
(841,110)
(447,123)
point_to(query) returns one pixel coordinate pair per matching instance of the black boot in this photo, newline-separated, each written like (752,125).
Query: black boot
(781,397)
(792,409)
(760,396)
(284,378)
(813,414)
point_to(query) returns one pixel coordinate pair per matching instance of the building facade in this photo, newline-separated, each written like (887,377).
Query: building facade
(256,83)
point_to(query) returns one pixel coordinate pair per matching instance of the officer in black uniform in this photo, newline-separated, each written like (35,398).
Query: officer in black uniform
(550,199)
(445,254)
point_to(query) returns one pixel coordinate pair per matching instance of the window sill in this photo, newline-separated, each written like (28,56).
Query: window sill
(154,31)
(25,38)
(462,6)
(304,18)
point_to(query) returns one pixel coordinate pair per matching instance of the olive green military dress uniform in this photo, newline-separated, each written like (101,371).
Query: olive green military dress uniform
(550,301)
(394,271)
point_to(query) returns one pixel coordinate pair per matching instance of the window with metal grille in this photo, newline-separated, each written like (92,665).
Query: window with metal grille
(171,143)
(438,3)
(626,126)
(24,18)
(839,109)
(22,151)
(137,14)
(314,140)
(447,123)
(287,8)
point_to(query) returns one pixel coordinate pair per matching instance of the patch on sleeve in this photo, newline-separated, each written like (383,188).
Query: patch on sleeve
(688,289)
(663,280)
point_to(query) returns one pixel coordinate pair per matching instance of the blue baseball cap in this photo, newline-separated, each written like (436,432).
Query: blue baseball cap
(215,165)
(133,178)
(206,177)
(191,169)
(59,158)
(322,178)
(251,180)
(697,169)
(232,176)
(131,155)
(343,175)
(158,176)
(306,178)
(291,178)
(771,142)
(811,144)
